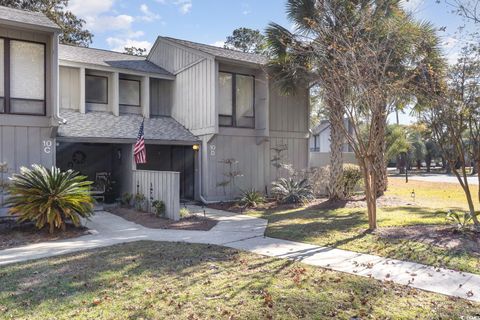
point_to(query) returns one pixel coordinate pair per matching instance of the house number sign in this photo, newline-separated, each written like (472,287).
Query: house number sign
(212,150)
(47,146)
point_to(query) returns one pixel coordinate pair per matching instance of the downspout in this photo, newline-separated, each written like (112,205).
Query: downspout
(56,72)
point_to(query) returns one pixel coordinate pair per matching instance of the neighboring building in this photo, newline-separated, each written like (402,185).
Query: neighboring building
(81,108)
(320,147)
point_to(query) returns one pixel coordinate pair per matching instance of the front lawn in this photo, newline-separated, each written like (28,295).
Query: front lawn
(147,280)
(345,228)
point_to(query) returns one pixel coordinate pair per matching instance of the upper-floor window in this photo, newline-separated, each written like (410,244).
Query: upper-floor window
(129,92)
(96,89)
(23,80)
(316,143)
(236,100)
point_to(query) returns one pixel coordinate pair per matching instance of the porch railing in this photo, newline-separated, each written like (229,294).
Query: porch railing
(159,185)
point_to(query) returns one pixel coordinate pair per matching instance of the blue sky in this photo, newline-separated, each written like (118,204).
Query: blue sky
(120,23)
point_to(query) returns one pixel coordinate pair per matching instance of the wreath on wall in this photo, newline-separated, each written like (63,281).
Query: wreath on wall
(79,157)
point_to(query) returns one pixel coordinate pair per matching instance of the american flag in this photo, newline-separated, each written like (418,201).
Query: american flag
(139,151)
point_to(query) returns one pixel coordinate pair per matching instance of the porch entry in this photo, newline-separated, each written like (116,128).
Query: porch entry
(116,159)
(173,158)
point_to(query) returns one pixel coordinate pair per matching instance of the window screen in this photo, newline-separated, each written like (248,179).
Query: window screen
(130,92)
(96,89)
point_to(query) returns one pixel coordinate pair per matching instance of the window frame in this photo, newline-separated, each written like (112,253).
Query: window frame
(7,76)
(96,76)
(139,93)
(234,102)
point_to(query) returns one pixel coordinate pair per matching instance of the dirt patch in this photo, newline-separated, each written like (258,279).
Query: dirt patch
(149,220)
(445,237)
(13,234)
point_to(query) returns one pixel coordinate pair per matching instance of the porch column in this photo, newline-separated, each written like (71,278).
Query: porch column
(82,90)
(145,97)
(115,92)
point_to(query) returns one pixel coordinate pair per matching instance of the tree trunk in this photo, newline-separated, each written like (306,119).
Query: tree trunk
(335,188)
(379,163)
(428,161)
(478,177)
(370,193)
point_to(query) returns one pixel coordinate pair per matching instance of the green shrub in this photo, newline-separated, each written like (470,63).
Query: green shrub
(184,213)
(352,175)
(140,202)
(126,199)
(291,190)
(159,207)
(49,196)
(251,198)
(460,221)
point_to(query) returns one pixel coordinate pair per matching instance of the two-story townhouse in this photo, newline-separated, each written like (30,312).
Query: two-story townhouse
(226,99)
(28,89)
(201,104)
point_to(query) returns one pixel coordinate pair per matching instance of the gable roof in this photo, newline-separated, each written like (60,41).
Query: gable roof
(26,17)
(107,126)
(107,58)
(221,52)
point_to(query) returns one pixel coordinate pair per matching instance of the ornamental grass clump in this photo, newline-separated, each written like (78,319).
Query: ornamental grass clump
(49,197)
(291,190)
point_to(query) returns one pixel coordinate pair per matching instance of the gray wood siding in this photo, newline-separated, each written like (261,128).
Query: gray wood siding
(254,162)
(161,97)
(69,88)
(288,113)
(171,57)
(24,146)
(165,187)
(194,98)
(51,46)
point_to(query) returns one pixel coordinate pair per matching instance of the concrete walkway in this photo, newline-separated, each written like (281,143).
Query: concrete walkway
(247,233)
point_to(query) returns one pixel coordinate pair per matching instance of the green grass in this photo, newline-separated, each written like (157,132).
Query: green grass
(147,280)
(345,228)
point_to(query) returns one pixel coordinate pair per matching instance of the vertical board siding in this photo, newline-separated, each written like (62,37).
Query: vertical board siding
(194,98)
(24,146)
(254,162)
(172,57)
(288,113)
(69,84)
(165,186)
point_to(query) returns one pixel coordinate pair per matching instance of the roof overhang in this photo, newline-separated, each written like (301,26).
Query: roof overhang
(124,141)
(73,64)
(29,26)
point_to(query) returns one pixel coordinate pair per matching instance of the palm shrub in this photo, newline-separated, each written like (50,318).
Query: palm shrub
(49,196)
(291,190)
(251,198)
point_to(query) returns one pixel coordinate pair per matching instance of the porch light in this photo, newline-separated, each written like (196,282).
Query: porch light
(196,147)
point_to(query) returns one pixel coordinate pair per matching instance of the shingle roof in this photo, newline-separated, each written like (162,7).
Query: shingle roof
(27,17)
(106,125)
(108,59)
(222,52)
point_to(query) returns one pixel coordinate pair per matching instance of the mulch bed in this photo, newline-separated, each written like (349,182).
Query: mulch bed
(149,220)
(445,237)
(320,203)
(16,235)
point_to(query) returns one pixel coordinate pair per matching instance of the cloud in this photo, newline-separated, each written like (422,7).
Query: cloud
(90,7)
(246,9)
(109,23)
(185,6)
(119,44)
(219,43)
(148,15)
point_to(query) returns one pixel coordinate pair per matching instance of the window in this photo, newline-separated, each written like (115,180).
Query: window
(237,100)
(96,89)
(22,82)
(130,92)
